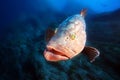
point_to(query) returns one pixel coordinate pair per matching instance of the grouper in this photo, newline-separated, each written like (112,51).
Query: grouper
(69,40)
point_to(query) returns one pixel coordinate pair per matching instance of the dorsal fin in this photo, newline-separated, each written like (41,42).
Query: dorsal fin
(91,52)
(83,12)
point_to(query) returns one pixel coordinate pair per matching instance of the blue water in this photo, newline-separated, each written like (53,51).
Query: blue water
(22,29)
(10,10)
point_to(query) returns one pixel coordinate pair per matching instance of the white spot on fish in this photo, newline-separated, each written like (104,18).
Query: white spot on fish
(76,22)
(70,26)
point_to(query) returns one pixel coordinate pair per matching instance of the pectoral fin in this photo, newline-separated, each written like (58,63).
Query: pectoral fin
(49,33)
(91,52)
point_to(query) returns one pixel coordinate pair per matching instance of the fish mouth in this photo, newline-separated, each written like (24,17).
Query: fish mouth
(52,54)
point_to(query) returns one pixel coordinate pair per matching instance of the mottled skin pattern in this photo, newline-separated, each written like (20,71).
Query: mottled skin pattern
(68,41)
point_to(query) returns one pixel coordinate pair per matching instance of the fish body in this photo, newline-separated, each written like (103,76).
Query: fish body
(68,41)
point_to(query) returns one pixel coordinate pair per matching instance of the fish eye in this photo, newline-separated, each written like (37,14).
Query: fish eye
(72,36)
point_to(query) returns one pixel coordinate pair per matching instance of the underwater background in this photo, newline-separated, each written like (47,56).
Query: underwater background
(23,24)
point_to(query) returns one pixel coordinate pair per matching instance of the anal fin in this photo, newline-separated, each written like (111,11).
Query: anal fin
(91,52)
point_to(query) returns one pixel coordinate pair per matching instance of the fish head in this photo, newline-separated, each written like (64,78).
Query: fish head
(68,41)
(57,49)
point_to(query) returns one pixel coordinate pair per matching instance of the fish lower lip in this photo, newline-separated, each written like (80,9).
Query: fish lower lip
(56,52)
(49,56)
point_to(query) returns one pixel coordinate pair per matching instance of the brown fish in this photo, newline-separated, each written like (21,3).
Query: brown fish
(68,40)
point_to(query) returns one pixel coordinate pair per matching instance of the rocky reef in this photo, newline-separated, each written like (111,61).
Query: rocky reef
(21,54)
